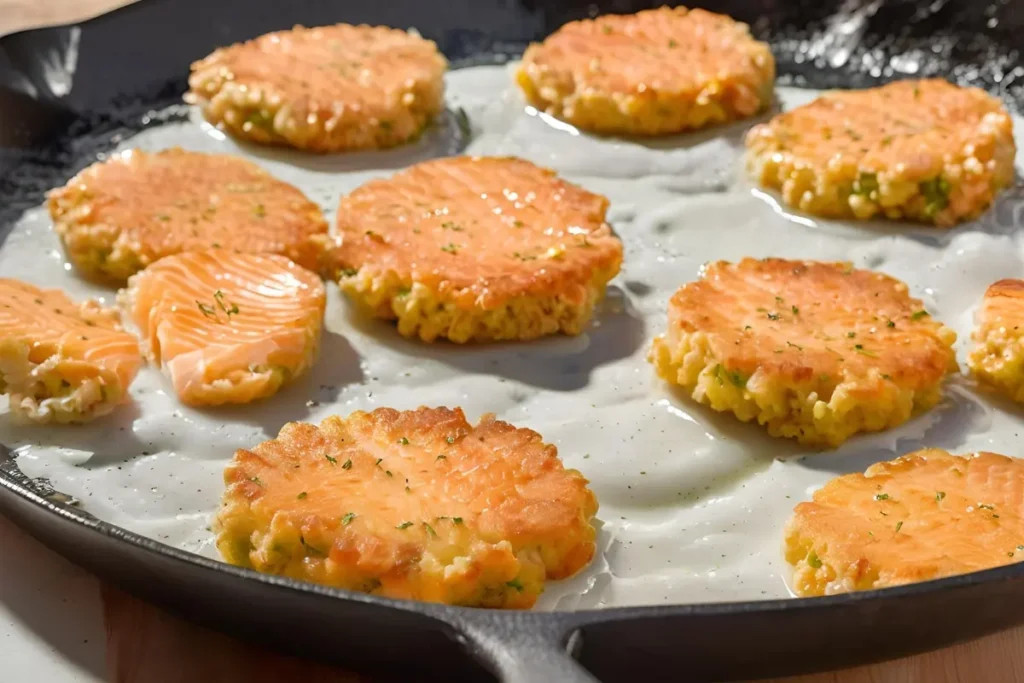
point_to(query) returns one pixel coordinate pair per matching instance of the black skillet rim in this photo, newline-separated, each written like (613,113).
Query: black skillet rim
(478,626)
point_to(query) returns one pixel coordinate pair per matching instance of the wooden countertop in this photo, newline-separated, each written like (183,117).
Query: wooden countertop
(145,645)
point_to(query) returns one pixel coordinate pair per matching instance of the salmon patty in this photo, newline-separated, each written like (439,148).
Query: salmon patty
(227,327)
(326,89)
(476,249)
(416,504)
(920,150)
(814,351)
(998,355)
(118,216)
(651,73)
(61,361)
(923,516)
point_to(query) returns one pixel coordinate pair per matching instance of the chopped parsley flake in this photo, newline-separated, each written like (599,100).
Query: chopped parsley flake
(449,225)
(230,310)
(208,311)
(430,529)
(256,480)
(347,519)
(859,348)
(404,525)
(259,211)
(347,465)
(919,315)
(796,311)
(899,525)
(450,439)
(404,441)
(456,520)
(441,457)
(672,43)
(515,583)
(773,316)
(985,507)
(851,335)
(939,495)
(889,323)
(450,248)
(333,461)
(302,495)
(881,496)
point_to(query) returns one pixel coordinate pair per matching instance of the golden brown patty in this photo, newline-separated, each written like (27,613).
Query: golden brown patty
(476,248)
(325,89)
(924,150)
(650,73)
(815,351)
(922,516)
(61,361)
(118,216)
(998,354)
(417,504)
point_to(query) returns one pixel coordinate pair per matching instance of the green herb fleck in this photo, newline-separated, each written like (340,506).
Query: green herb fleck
(518,223)
(672,43)
(347,519)
(450,439)
(939,495)
(302,495)
(859,348)
(347,465)
(515,583)
(404,525)
(441,457)
(796,311)
(163,217)
(865,184)
(430,530)
(404,441)
(774,316)
(259,211)
(450,248)
(332,460)
(851,335)
(985,507)
(919,315)
(881,496)
(349,272)
(899,525)
(456,520)
(256,480)
(889,323)
(231,310)
(936,195)
(795,346)
(449,225)
(733,378)
(208,311)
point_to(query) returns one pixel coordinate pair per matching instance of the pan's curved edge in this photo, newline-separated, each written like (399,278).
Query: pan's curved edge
(616,643)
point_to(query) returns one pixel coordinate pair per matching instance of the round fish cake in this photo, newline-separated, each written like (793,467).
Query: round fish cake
(651,73)
(118,216)
(326,89)
(227,327)
(923,516)
(998,355)
(61,361)
(921,150)
(476,249)
(813,351)
(416,504)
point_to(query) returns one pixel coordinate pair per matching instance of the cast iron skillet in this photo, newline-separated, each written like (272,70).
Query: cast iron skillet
(137,58)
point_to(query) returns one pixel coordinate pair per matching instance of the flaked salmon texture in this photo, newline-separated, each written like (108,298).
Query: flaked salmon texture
(61,361)
(227,327)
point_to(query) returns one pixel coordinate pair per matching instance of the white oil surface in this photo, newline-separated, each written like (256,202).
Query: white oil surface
(692,502)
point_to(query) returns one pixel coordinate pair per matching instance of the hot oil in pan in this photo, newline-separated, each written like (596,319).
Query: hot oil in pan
(692,502)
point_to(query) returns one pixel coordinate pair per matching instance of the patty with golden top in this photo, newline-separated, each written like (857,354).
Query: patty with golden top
(325,89)
(476,249)
(417,504)
(998,355)
(812,350)
(923,516)
(61,361)
(118,216)
(920,150)
(655,72)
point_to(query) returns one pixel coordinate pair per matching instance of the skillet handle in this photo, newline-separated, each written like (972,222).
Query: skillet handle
(531,649)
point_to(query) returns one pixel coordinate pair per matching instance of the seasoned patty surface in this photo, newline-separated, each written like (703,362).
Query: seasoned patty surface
(417,504)
(998,354)
(118,216)
(923,516)
(61,361)
(857,351)
(476,248)
(324,89)
(654,72)
(924,150)
(227,327)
